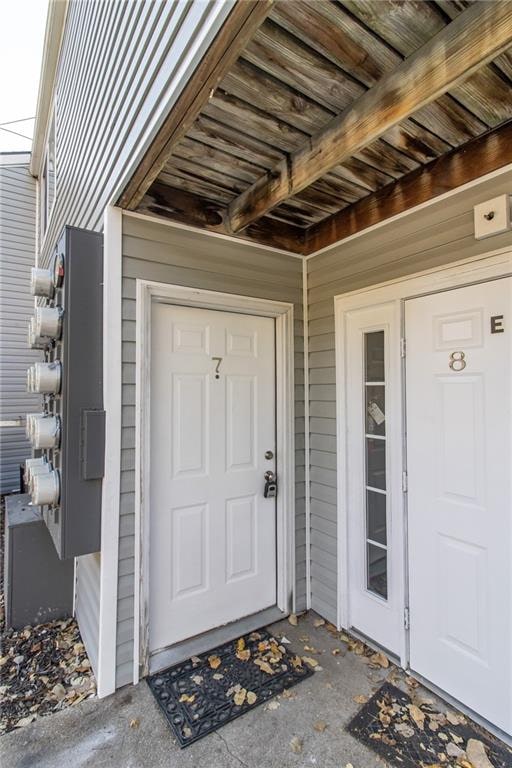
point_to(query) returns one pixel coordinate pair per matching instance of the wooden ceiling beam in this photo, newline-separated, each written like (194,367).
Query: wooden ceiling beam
(185,208)
(474,38)
(230,41)
(482,155)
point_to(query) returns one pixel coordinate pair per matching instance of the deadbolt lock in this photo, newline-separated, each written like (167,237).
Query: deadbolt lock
(269,455)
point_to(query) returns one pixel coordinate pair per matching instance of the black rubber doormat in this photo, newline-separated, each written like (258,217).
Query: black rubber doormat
(205,692)
(410,736)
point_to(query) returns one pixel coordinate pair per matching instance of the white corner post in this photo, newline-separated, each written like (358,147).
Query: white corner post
(112,319)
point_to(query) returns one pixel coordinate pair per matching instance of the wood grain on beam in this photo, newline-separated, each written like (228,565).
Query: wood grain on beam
(474,38)
(183,207)
(233,36)
(482,155)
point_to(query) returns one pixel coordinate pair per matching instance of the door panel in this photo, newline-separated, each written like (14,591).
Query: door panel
(212,533)
(458,382)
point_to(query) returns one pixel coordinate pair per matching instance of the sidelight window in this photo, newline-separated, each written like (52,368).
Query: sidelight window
(375,464)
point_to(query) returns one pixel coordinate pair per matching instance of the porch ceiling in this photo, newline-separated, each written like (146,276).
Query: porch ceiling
(285,147)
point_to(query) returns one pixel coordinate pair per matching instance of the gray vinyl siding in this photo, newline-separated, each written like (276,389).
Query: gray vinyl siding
(158,252)
(437,235)
(17,257)
(119,61)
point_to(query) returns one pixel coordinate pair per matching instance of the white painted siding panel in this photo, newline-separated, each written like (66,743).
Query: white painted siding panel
(17,257)
(437,235)
(153,251)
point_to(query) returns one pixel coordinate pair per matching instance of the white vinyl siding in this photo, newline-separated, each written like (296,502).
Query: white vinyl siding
(153,251)
(438,234)
(17,257)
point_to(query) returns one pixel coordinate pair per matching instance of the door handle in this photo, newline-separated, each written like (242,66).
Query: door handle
(270,489)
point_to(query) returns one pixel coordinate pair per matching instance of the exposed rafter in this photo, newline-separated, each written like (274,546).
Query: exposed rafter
(483,155)
(474,38)
(242,23)
(186,208)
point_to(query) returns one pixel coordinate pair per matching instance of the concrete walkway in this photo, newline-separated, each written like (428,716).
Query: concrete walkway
(97,733)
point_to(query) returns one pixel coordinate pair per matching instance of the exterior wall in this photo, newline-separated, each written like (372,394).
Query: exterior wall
(154,251)
(121,66)
(438,234)
(17,254)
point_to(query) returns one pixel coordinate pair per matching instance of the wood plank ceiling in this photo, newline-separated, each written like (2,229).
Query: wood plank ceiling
(307,63)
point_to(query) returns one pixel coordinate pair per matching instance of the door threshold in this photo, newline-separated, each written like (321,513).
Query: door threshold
(193,646)
(506,738)
(375,646)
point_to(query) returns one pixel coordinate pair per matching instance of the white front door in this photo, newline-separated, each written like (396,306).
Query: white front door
(459,396)
(373,477)
(212,548)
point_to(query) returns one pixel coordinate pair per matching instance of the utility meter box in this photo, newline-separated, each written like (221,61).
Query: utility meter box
(69,436)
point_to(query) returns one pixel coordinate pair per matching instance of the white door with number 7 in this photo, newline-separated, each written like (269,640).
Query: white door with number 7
(212,548)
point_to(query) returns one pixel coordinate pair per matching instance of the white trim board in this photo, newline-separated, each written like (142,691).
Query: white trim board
(493,265)
(146,293)
(110,498)
(307,449)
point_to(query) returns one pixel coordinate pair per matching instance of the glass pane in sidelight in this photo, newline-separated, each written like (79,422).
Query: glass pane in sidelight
(376,517)
(376,409)
(374,356)
(376,463)
(377,570)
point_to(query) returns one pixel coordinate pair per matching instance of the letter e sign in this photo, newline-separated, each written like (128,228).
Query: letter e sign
(497,324)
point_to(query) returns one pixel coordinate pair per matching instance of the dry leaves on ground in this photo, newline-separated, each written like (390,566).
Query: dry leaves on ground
(43,669)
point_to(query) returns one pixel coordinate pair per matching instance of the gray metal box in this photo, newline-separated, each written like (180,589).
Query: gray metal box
(38,586)
(75,524)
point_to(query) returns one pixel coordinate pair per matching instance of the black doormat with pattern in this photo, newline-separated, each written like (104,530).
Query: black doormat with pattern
(412,736)
(208,691)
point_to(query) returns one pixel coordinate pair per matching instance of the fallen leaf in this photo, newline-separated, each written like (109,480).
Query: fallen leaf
(380,659)
(214,662)
(251,697)
(310,662)
(285,640)
(360,698)
(185,697)
(195,660)
(292,618)
(274,704)
(455,719)
(217,676)
(476,754)
(404,730)
(264,666)
(239,697)
(198,679)
(454,751)
(296,662)
(24,721)
(243,655)
(134,723)
(318,623)
(187,732)
(337,652)
(411,682)
(311,649)
(296,745)
(417,715)
(320,726)
(240,644)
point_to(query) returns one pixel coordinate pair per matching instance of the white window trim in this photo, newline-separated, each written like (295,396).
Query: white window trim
(146,293)
(477,269)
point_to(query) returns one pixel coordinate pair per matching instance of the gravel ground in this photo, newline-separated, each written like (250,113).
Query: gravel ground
(43,669)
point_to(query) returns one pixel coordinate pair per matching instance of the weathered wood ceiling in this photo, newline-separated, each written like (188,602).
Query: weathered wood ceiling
(308,62)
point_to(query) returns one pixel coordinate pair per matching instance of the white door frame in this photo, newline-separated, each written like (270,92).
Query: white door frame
(492,265)
(146,293)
